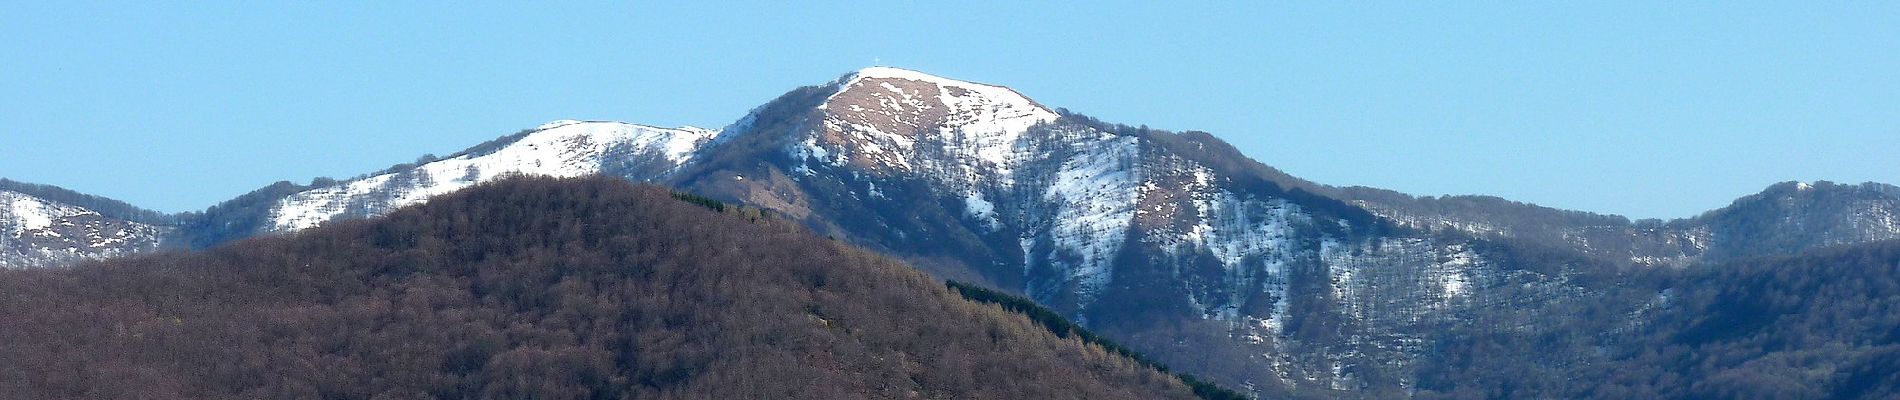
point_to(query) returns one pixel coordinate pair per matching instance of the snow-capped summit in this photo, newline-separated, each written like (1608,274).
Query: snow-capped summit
(564,148)
(900,73)
(888,119)
(878,73)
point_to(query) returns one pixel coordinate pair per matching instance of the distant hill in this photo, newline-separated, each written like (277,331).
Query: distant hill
(536,288)
(1785,218)
(1823,324)
(44,225)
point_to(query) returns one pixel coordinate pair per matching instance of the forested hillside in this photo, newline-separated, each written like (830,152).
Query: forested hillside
(1824,324)
(535,288)
(1821,324)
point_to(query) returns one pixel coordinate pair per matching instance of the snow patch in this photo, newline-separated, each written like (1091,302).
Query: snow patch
(1454,274)
(1095,197)
(980,209)
(29,213)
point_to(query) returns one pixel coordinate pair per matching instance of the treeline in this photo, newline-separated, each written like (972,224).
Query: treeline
(1522,219)
(702,201)
(237,218)
(104,206)
(1063,328)
(535,288)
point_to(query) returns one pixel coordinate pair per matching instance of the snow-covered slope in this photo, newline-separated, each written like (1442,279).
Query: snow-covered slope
(36,232)
(888,120)
(560,148)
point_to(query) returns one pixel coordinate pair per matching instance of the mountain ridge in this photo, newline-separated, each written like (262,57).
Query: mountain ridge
(1165,241)
(36,230)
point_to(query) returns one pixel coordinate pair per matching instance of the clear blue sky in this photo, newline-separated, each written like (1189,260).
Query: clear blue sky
(1638,108)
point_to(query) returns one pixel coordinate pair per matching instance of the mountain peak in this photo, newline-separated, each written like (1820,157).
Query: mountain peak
(881,72)
(877,118)
(903,81)
(894,72)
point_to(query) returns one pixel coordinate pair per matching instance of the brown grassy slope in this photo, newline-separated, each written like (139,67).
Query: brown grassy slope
(534,288)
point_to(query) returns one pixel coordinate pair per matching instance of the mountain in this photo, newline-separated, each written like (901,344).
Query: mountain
(43,225)
(1785,218)
(1795,216)
(1175,244)
(536,288)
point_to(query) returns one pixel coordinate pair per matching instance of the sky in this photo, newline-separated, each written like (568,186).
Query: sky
(1634,108)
